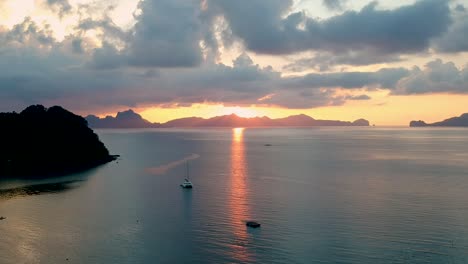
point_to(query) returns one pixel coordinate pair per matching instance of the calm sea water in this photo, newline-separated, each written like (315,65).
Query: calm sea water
(324,195)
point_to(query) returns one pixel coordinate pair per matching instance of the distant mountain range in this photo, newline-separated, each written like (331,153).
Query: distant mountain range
(461,121)
(126,119)
(130,119)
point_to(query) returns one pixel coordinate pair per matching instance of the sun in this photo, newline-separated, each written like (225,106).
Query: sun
(240,111)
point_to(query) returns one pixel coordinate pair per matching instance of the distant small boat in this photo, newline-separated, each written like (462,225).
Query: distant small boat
(187,184)
(2,218)
(267,145)
(252,224)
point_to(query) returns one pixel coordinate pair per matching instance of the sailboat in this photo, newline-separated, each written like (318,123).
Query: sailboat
(187,183)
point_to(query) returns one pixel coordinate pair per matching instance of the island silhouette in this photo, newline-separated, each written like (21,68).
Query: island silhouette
(42,141)
(461,121)
(130,119)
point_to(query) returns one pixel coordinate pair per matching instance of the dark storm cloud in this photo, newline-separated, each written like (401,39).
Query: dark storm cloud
(407,29)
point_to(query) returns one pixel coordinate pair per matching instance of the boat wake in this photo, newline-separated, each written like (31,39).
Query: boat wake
(159,170)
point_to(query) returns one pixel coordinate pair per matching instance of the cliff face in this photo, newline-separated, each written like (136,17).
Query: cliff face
(40,142)
(461,121)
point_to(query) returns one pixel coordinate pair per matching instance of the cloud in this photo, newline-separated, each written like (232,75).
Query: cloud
(326,61)
(386,78)
(435,77)
(460,8)
(304,99)
(407,29)
(456,38)
(29,33)
(109,28)
(334,4)
(167,34)
(35,68)
(106,57)
(358,97)
(77,45)
(62,6)
(169,56)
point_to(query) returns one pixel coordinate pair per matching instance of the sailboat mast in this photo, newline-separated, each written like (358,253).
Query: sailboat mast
(188,175)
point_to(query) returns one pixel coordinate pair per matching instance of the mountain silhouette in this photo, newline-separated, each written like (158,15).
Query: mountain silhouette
(43,141)
(126,119)
(461,121)
(130,119)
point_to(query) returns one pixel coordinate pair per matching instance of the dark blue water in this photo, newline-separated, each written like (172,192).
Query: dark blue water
(325,195)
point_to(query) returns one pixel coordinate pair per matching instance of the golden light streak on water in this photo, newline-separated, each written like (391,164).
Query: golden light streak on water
(238,204)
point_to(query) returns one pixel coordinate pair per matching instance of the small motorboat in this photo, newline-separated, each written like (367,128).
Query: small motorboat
(252,224)
(2,218)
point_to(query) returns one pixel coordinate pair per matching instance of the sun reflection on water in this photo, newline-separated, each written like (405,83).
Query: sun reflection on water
(237,136)
(239,208)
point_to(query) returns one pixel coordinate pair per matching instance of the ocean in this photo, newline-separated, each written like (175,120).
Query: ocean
(322,195)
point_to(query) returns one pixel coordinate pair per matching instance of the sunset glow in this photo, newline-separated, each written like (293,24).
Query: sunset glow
(101,57)
(382,110)
(233,131)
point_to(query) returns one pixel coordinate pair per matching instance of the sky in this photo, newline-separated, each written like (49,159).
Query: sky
(386,61)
